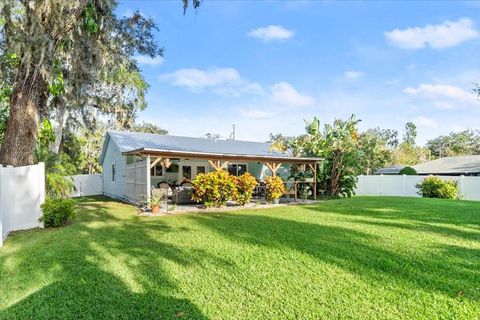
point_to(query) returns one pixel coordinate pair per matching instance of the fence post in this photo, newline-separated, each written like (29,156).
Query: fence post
(360,184)
(381,184)
(9,202)
(462,186)
(1,206)
(41,188)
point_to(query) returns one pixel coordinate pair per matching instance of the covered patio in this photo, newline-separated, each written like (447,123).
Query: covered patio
(150,169)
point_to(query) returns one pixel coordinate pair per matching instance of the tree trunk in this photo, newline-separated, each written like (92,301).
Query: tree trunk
(18,148)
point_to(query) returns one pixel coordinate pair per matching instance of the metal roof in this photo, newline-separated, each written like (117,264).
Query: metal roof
(131,142)
(451,165)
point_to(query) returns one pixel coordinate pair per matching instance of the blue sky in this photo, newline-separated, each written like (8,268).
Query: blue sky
(267,66)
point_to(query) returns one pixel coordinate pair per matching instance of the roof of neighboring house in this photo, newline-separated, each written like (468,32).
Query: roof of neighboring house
(450,165)
(138,142)
(390,170)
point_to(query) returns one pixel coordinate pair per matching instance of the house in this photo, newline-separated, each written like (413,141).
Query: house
(133,163)
(448,166)
(451,166)
(393,170)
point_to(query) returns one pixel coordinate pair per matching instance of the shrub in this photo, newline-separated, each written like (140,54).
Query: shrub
(214,189)
(275,188)
(409,171)
(245,185)
(434,187)
(56,212)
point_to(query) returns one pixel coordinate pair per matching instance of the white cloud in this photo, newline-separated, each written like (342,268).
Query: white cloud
(271,33)
(197,79)
(439,36)
(425,122)
(353,74)
(222,81)
(285,94)
(442,91)
(150,61)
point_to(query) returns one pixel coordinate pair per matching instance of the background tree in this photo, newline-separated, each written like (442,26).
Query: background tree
(389,136)
(148,128)
(410,135)
(376,151)
(77,50)
(338,144)
(462,143)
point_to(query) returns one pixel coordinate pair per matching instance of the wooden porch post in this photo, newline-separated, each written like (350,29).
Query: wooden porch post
(273,167)
(149,182)
(314,170)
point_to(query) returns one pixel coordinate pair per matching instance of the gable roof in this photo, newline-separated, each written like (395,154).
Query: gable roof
(450,165)
(129,142)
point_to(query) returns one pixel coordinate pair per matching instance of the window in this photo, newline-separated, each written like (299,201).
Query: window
(113,172)
(173,168)
(200,169)
(157,171)
(187,172)
(237,169)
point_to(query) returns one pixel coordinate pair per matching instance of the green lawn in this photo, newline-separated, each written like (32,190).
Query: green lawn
(360,258)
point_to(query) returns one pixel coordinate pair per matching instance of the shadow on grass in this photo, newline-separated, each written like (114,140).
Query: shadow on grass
(447,269)
(104,266)
(443,217)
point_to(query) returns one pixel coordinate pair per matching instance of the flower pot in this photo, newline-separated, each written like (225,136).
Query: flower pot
(276,201)
(155,209)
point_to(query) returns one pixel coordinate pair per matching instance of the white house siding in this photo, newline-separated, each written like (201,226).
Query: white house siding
(113,156)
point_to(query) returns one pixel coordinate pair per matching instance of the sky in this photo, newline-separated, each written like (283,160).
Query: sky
(265,66)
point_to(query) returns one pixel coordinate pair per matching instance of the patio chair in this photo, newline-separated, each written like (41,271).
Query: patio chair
(166,186)
(182,195)
(160,193)
(186,184)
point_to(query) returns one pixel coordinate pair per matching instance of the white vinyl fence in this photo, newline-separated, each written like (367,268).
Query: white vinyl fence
(22,191)
(87,185)
(396,185)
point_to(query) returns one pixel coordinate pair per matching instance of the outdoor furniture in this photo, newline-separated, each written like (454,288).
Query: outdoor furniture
(290,189)
(307,181)
(160,193)
(182,195)
(186,184)
(260,191)
(165,186)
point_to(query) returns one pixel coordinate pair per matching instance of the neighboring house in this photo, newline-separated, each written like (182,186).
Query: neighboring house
(133,163)
(393,170)
(448,166)
(451,166)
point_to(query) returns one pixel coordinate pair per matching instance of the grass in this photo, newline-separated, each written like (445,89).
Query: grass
(359,258)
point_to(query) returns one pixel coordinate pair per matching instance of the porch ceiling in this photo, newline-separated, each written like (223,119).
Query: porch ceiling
(218,156)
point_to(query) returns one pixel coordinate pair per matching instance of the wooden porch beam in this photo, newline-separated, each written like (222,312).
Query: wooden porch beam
(273,166)
(155,162)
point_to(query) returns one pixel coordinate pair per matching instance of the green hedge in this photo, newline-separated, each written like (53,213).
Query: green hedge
(56,212)
(435,187)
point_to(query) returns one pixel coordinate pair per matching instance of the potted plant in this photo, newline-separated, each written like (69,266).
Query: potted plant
(154,202)
(275,189)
